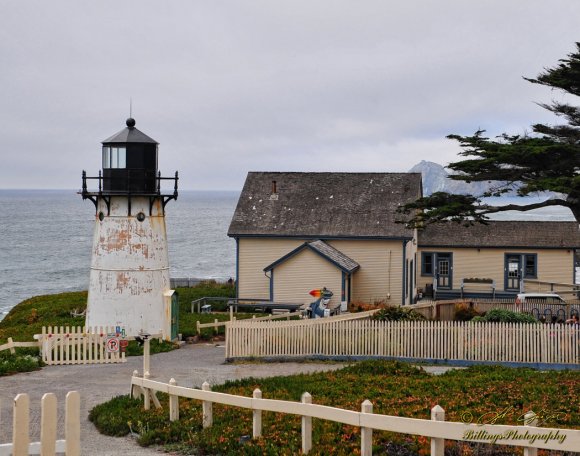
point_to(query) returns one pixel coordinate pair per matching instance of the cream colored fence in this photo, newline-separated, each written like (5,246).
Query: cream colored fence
(421,340)
(80,345)
(445,310)
(48,445)
(218,324)
(437,428)
(11,345)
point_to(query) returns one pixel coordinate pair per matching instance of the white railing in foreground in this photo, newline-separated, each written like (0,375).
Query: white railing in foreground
(48,445)
(437,428)
(422,340)
(79,345)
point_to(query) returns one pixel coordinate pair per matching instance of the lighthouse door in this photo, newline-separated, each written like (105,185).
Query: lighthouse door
(174,315)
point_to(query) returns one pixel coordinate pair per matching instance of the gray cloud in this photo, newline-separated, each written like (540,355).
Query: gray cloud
(228,87)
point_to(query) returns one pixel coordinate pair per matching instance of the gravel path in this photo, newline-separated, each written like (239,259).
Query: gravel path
(190,366)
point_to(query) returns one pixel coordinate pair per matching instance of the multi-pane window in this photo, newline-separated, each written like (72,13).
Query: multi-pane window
(114,157)
(531,265)
(427,264)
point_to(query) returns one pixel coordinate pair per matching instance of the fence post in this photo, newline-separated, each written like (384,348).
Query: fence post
(20,423)
(147,355)
(146,393)
(11,345)
(173,403)
(73,424)
(437,445)
(366,434)
(530,420)
(48,422)
(215,328)
(135,394)
(207,407)
(198,328)
(257,416)
(306,426)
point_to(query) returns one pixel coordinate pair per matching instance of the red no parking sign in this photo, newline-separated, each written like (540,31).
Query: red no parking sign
(112,344)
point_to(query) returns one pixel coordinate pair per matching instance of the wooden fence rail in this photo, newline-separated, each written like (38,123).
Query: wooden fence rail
(286,315)
(79,345)
(48,445)
(11,345)
(445,310)
(555,346)
(437,428)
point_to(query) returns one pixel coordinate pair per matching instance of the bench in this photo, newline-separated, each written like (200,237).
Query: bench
(476,280)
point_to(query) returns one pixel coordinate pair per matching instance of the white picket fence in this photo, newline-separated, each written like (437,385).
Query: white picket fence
(437,428)
(78,345)
(48,444)
(420,340)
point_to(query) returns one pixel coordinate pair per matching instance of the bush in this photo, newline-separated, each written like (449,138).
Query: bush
(396,313)
(24,360)
(506,316)
(465,311)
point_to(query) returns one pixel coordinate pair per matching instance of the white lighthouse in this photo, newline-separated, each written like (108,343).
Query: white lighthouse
(129,280)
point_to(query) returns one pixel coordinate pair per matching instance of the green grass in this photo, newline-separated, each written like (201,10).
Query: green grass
(394,388)
(27,318)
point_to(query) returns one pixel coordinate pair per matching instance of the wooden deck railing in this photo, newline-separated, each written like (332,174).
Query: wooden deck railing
(445,310)
(437,428)
(284,315)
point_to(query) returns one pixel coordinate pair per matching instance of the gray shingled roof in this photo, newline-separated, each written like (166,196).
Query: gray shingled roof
(502,234)
(333,255)
(129,135)
(324,205)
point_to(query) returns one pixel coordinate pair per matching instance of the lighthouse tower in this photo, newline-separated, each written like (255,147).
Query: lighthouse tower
(129,281)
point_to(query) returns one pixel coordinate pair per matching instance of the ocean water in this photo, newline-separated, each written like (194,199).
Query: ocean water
(46,238)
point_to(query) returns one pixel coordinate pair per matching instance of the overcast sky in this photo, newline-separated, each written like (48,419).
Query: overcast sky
(250,85)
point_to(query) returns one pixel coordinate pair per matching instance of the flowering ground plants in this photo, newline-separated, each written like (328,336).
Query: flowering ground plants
(394,388)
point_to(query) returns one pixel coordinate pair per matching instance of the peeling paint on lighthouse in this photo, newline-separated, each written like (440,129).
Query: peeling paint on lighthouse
(129,279)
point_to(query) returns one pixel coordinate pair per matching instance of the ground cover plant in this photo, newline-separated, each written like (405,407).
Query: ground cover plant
(397,313)
(394,388)
(24,360)
(505,316)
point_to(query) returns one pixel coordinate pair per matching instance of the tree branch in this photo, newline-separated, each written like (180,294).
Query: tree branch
(522,208)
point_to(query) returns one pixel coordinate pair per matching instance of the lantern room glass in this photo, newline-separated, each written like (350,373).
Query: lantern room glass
(114,157)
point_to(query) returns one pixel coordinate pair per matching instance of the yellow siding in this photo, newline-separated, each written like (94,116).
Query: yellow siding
(556,266)
(380,275)
(254,256)
(294,278)
(553,265)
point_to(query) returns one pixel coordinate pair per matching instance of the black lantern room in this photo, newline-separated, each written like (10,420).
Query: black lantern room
(129,161)
(129,168)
